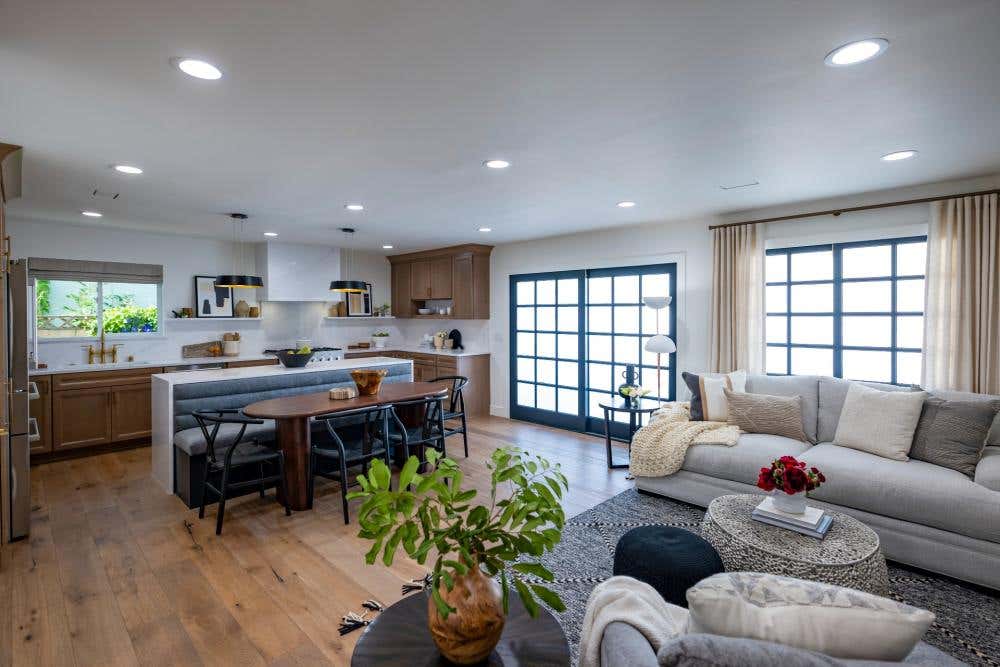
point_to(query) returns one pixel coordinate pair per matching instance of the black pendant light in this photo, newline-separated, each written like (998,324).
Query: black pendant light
(348,286)
(237,279)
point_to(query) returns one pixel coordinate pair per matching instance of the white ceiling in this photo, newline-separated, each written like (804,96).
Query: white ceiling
(396,103)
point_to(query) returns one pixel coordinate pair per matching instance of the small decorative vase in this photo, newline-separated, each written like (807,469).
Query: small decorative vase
(254,311)
(379,342)
(793,504)
(438,342)
(471,632)
(368,380)
(241,309)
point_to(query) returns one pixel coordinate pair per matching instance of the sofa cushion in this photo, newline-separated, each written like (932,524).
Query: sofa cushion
(914,491)
(743,461)
(988,469)
(806,386)
(880,422)
(762,413)
(953,433)
(840,622)
(622,645)
(832,392)
(708,403)
(192,440)
(993,439)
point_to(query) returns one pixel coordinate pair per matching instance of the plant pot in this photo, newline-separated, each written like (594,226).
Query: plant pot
(438,342)
(471,632)
(368,380)
(794,504)
(379,342)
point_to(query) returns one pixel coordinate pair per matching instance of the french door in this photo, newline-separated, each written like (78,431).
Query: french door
(573,334)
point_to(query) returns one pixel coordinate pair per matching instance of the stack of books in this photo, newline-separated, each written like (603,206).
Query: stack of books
(814,522)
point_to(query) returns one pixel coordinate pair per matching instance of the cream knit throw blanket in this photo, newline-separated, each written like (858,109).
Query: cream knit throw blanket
(659,447)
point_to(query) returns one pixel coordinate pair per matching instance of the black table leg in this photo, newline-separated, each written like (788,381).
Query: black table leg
(607,442)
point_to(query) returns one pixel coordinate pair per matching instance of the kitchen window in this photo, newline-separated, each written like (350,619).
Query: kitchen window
(574,332)
(850,310)
(79,299)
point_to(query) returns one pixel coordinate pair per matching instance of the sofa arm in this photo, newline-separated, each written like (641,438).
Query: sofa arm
(988,469)
(624,646)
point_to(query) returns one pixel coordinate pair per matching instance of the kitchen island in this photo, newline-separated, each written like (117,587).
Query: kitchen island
(174,395)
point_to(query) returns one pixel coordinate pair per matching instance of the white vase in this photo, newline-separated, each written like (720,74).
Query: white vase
(379,342)
(794,504)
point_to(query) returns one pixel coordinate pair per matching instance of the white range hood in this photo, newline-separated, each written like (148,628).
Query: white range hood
(297,272)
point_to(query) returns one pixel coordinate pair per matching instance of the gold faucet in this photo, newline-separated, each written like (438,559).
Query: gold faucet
(102,353)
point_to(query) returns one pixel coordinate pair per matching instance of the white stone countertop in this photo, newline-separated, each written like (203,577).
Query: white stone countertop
(189,377)
(125,365)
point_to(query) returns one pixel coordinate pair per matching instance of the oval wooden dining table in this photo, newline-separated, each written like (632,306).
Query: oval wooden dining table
(291,415)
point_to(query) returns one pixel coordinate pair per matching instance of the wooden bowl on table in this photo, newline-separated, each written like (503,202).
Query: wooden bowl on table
(368,380)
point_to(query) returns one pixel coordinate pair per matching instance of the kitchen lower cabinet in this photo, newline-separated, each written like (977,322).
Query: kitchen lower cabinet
(131,412)
(81,418)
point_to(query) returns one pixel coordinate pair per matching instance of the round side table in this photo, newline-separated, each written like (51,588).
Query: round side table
(850,555)
(398,637)
(635,410)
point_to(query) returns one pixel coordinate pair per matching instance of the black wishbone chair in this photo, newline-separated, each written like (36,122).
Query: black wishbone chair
(456,407)
(331,460)
(241,453)
(429,430)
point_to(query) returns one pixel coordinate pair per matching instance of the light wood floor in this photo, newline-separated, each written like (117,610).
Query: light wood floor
(116,572)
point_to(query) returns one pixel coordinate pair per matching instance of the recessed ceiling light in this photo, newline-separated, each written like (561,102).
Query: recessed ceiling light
(199,69)
(898,155)
(486,229)
(856,52)
(92,214)
(497,164)
(625,204)
(128,169)
(386,246)
(270,233)
(355,207)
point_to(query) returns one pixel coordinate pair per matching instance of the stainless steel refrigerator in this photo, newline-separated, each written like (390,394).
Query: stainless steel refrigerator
(18,438)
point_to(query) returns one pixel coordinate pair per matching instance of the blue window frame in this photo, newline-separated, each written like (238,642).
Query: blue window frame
(851,310)
(572,334)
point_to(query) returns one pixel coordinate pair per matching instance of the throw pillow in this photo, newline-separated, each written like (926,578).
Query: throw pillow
(708,403)
(833,620)
(953,434)
(698,650)
(760,413)
(879,422)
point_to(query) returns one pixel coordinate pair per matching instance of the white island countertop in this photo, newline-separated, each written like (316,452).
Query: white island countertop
(214,375)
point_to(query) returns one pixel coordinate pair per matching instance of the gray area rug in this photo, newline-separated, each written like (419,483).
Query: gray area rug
(968,617)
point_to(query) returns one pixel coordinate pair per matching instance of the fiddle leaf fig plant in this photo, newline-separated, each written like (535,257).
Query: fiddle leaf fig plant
(431,515)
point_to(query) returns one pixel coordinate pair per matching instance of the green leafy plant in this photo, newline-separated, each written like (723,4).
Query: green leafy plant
(430,512)
(125,319)
(43,296)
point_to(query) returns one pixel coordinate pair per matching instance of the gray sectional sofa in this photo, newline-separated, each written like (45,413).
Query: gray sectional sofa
(927,516)
(189,442)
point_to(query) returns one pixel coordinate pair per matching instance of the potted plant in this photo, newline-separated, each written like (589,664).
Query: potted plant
(430,513)
(379,338)
(633,393)
(788,481)
(383,310)
(439,339)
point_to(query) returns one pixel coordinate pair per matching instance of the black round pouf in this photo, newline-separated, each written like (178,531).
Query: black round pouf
(671,560)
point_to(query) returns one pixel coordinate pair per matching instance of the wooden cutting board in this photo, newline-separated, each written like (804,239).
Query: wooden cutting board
(200,349)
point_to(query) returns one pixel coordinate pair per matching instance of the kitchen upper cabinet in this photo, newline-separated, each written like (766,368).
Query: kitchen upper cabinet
(460,274)
(81,418)
(131,412)
(296,272)
(420,280)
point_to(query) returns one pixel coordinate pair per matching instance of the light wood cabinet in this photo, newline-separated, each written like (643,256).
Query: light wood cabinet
(131,412)
(249,364)
(40,409)
(81,418)
(460,274)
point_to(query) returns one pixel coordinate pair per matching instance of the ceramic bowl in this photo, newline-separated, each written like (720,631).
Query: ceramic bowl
(423,311)
(292,359)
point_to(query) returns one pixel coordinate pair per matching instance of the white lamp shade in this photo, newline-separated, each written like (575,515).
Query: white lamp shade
(660,344)
(657,302)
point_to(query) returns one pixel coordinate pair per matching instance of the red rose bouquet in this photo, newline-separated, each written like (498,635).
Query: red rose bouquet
(789,475)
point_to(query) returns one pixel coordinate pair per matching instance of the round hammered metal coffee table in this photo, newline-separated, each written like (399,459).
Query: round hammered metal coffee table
(849,555)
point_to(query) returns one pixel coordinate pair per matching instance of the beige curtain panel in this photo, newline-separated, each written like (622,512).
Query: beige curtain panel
(962,312)
(737,340)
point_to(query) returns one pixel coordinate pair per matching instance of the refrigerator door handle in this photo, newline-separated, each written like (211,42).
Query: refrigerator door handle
(33,391)
(34,433)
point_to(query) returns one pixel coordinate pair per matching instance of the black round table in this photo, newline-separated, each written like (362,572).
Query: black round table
(635,410)
(399,637)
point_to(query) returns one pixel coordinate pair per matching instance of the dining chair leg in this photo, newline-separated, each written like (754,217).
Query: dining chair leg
(284,487)
(260,471)
(222,501)
(204,489)
(343,489)
(465,435)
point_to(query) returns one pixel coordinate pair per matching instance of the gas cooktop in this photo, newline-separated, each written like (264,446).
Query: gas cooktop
(315,349)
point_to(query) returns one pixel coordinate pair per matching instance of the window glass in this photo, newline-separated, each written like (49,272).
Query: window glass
(776,268)
(816,265)
(546,292)
(812,298)
(911,259)
(71,308)
(626,289)
(867,261)
(873,331)
(812,330)
(867,297)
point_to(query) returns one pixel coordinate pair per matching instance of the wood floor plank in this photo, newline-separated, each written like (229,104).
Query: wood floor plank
(118,572)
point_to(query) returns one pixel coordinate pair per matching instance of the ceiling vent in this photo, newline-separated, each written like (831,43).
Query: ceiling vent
(104,194)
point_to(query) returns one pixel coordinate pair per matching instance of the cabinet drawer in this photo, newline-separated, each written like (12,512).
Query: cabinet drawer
(94,379)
